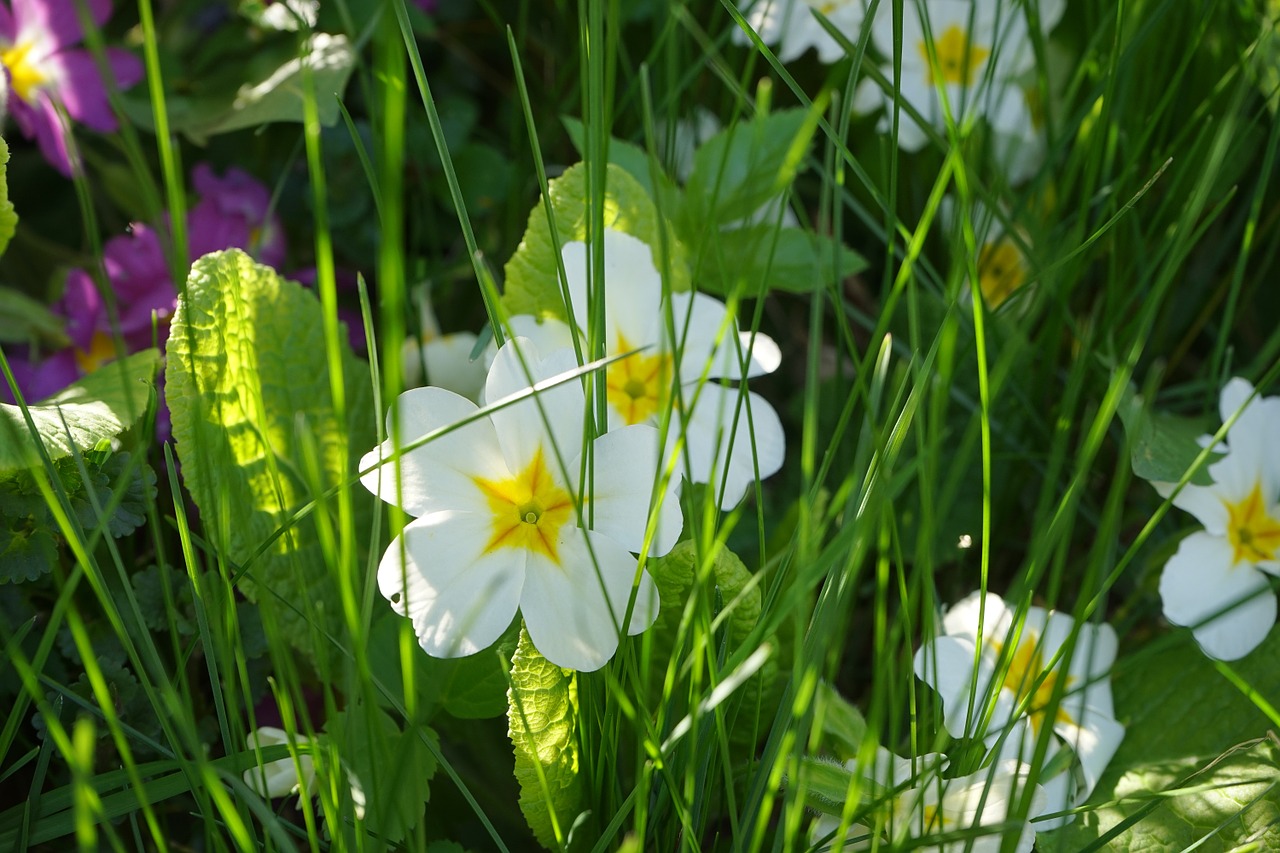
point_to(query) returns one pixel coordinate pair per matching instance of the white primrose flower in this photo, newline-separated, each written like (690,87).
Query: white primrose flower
(497,525)
(284,776)
(442,360)
(727,431)
(1216,584)
(912,802)
(1023,664)
(1002,267)
(794,28)
(966,51)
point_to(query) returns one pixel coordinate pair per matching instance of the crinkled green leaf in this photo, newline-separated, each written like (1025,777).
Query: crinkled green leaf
(635,161)
(393,767)
(1184,723)
(159,607)
(826,784)
(8,216)
(1163,447)
(542,718)
(676,575)
(532,274)
(100,406)
(744,166)
(247,384)
(27,550)
(757,259)
(843,726)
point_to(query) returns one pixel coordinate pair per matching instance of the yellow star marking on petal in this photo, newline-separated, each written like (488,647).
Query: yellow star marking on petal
(637,384)
(1253,533)
(528,510)
(956,57)
(24,76)
(1001,271)
(1027,680)
(102,349)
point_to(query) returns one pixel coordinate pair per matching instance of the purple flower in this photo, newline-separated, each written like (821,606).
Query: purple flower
(44,73)
(233,211)
(39,378)
(139,277)
(346,282)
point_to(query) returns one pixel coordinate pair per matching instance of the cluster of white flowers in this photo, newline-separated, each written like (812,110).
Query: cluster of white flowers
(958,59)
(518,507)
(1218,582)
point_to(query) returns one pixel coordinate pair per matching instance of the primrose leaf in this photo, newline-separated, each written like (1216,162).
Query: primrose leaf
(746,165)
(393,767)
(1186,770)
(98,407)
(1162,446)
(280,94)
(729,583)
(542,718)
(532,274)
(8,216)
(635,161)
(757,259)
(248,390)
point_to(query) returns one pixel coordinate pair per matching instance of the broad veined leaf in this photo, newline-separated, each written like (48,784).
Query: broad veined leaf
(754,260)
(272,94)
(635,161)
(247,385)
(744,166)
(1197,761)
(678,577)
(1163,447)
(532,274)
(98,407)
(8,216)
(392,767)
(542,717)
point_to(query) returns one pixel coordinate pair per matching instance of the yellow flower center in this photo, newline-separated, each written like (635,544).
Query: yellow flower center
(955,59)
(1253,533)
(23,74)
(636,385)
(528,510)
(1000,271)
(102,350)
(1028,681)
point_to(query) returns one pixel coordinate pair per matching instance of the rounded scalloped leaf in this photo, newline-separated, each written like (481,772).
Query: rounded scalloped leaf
(532,274)
(542,718)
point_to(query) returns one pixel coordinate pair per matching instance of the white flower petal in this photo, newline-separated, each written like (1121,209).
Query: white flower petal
(719,440)
(766,357)
(567,611)
(961,619)
(1205,503)
(626,464)
(632,289)
(709,341)
(947,664)
(550,419)
(440,474)
(1095,742)
(1200,581)
(1253,456)
(459,598)
(279,778)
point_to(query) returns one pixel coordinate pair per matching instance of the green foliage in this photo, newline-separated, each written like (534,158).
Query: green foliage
(8,216)
(542,719)
(1196,762)
(248,387)
(633,159)
(1163,447)
(747,165)
(23,319)
(392,766)
(268,85)
(754,260)
(532,274)
(679,577)
(98,407)
(29,534)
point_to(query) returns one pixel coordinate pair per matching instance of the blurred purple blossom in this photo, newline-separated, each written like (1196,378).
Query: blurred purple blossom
(46,73)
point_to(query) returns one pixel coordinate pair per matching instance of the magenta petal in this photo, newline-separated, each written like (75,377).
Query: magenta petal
(38,380)
(81,90)
(50,133)
(126,68)
(82,305)
(57,20)
(7,30)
